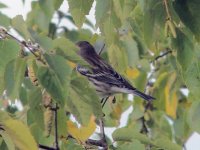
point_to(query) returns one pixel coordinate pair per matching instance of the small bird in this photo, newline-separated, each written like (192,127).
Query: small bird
(105,79)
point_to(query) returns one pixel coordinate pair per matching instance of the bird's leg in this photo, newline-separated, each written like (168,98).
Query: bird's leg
(103,101)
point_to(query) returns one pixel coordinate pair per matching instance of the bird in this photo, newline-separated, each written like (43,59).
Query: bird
(103,77)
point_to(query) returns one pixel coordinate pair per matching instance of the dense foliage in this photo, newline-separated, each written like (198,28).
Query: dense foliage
(154,43)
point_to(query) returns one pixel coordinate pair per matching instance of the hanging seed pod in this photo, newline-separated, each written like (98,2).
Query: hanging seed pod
(171,27)
(32,76)
(48,121)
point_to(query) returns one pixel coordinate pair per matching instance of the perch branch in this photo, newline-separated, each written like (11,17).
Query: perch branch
(100,143)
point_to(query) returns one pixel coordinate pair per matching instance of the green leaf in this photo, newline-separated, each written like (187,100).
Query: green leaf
(36,131)
(185,49)
(23,95)
(4,116)
(102,7)
(57,3)
(132,51)
(118,7)
(117,57)
(83,101)
(9,50)
(20,135)
(192,118)
(2,5)
(8,140)
(180,125)
(44,41)
(153,20)
(59,65)
(71,144)
(188,11)
(109,31)
(65,44)
(167,144)
(62,120)
(47,6)
(19,24)
(192,78)
(128,134)
(35,97)
(137,36)
(5,21)
(79,9)
(67,49)
(35,115)
(136,145)
(49,80)
(37,19)
(14,75)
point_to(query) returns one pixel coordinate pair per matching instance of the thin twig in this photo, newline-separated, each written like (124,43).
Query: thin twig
(162,55)
(46,147)
(100,143)
(101,49)
(56,126)
(103,137)
(103,101)
(101,124)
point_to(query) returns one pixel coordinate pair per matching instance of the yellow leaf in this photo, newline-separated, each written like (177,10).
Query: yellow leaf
(84,132)
(132,73)
(171,100)
(171,105)
(20,134)
(71,64)
(117,111)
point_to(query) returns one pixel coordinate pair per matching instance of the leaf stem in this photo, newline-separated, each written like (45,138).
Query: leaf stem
(167,9)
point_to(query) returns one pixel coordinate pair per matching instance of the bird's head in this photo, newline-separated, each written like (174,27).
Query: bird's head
(86,49)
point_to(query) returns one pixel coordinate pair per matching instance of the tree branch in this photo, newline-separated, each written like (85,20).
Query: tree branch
(168,51)
(32,48)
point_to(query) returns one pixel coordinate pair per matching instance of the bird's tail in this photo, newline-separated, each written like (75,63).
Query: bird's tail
(142,95)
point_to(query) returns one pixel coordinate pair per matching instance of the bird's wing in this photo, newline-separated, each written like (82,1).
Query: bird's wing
(82,70)
(110,76)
